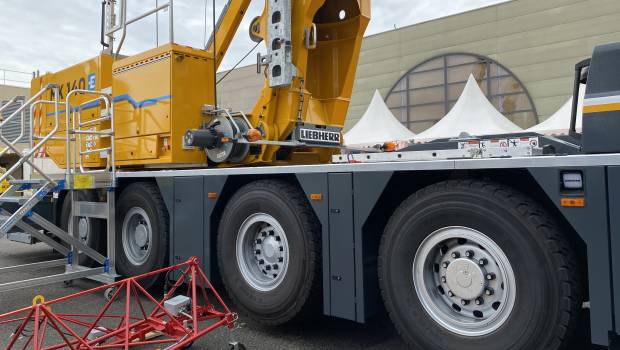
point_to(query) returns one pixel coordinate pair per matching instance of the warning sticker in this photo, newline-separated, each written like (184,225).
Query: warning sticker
(81,182)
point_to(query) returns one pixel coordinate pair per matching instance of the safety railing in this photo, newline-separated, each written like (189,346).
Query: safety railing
(27,155)
(74,118)
(123,22)
(22,131)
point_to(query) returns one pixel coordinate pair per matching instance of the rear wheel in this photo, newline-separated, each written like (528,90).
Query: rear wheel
(465,264)
(268,252)
(142,232)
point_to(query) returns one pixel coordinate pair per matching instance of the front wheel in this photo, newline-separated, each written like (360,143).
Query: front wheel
(465,264)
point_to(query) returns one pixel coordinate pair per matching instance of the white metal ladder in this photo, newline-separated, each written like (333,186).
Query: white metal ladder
(36,226)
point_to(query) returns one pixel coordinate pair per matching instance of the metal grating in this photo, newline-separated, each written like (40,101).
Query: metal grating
(12,129)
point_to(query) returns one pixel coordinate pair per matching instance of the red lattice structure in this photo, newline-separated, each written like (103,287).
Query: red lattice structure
(146,321)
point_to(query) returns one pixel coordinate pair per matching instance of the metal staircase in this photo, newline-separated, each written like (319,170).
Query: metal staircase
(19,222)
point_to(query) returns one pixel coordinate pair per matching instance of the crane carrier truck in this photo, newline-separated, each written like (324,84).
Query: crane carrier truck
(495,242)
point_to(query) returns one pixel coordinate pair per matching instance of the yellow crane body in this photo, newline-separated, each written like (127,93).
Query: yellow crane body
(160,94)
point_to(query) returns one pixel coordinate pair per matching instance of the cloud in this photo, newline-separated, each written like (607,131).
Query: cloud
(51,35)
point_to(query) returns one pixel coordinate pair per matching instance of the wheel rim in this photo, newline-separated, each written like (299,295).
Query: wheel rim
(464,281)
(137,235)
(262,252)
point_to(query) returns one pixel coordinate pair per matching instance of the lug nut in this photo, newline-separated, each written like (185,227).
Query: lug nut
(281,249)
(456,255)
(469,253)
(280,259)
(489,291)
(278,239)
(483,262)
(275,266)
(445,265)
(257,251)
(450,294)
(264,234)
(259,241)
(464,302)
(271,233)
(479,301)
(261,262)
(443,279)
(490,276)
(268,268)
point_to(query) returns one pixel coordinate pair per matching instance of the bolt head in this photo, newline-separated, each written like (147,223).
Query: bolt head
(483,262)
(443,279)
(469,253)
(281,249)
(479,301)
(271,233)
(456,255)
(490,276)
(259,241)
(445,265)
(275,266)
(280,259)
(278,239)
(450,294)
(268,268)
(489,291)
(464,302)
(257,251)
(261,261)
(264,234)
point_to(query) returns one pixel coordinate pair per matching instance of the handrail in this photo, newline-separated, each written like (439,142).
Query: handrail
(26,156)
(122,26)
(76,130)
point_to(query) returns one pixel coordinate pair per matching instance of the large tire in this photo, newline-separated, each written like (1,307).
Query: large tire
(540,291)
(142,231)
(91,231)
(290,286)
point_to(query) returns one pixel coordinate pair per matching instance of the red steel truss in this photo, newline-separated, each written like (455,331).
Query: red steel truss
(145,321)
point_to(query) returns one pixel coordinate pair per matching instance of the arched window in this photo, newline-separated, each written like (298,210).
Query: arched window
(427,92)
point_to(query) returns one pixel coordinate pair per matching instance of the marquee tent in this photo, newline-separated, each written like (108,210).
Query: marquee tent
(559,122)
(472,114)
(377,126)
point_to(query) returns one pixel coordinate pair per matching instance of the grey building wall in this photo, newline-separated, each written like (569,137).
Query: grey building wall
(538,40)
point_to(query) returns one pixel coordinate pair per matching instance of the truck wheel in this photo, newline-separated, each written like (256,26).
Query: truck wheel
(141,231)
(472,265)
(90,231)
(268,252)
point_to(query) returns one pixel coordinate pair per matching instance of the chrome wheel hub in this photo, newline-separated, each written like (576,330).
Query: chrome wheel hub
(137,235)
(83,228)
(262,252)
(464,281)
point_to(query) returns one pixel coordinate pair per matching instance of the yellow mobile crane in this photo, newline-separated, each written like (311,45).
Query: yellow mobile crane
(165,108)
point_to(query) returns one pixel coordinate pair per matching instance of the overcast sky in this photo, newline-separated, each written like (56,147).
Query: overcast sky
(49,35)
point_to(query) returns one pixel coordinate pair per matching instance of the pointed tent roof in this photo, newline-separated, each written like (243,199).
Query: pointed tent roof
(559,122)
(473,114)
(377,125)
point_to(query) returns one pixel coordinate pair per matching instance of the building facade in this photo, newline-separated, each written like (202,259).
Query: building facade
(522,52)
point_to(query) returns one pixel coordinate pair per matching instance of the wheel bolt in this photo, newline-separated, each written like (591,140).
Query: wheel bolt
(489,291)
(445,265)
(275,266)
(264,234)
(450,294)
(259,241)
(456,255)
(271,233)
(479,301)
(464,302)
(257,251)
(281,249)
(268,268)
(490,276)
(469,253)
(443,279)
(483,262)
(278,239)
(280,259)
(261,261)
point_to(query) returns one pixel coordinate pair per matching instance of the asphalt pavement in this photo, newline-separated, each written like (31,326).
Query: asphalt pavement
(322,333)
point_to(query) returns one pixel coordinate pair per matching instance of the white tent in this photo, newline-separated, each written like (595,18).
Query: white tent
(559,122)
(377,126)
(472,114)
